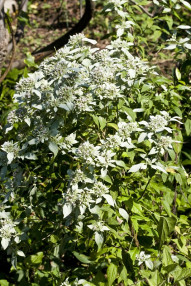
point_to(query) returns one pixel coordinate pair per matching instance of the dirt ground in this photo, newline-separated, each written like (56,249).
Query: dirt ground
(48,20)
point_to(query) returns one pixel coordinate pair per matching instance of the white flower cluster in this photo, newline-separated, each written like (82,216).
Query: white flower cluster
(144,258)
(76,282)
(83,192)
(7,229)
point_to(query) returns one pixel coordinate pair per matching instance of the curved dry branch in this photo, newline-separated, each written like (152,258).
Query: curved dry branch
(63,40)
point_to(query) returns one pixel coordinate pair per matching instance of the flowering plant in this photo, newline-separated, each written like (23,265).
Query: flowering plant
(85,156)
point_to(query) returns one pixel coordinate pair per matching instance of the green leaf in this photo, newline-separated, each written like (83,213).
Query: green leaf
(178,137)
(4,283)
(155,279)
(188,126)
(121,164)
(111,274)
(166,256)
(180,274)
(82,258)
(30,60)
(178,111)
(165,227)
(54,238)
(53,148)
(102,122)
(35,259)
(95,119)
(113,125)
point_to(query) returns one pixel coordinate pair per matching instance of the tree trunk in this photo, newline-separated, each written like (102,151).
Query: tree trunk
(4,36)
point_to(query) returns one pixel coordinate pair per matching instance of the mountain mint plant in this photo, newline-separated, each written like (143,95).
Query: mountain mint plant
(80,167)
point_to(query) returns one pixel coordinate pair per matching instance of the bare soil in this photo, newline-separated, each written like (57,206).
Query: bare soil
(50,19)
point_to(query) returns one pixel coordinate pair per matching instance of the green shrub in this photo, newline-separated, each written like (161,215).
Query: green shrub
(90,172)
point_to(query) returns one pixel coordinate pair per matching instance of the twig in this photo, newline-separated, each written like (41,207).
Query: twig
(159,62)
(143,9)
(144,189)
(13,50)
(133,232)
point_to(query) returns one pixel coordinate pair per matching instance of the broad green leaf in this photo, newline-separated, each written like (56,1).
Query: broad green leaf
(136,208)
(155,279)
(178,111)
(188,126)
(54,238)
(166,256)
(178,137)
(111,274)
(165,227)
(102,122)
(121,163)
(181,273)
(95,119)
(107,179)
(36,258)
(53,148)
(113,125)
(82,258)
(30,60)
(4,283)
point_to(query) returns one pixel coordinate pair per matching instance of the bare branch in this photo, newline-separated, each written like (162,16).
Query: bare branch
(143,9)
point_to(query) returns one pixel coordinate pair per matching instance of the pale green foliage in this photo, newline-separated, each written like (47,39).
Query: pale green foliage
(91,167)
(78,85)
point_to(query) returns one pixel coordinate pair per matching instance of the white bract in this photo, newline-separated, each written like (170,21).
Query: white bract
(144,258)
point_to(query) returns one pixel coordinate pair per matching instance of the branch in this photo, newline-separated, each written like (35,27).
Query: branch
(143,9)
(13,50)
(60,42)
(145,189)
(79,27)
